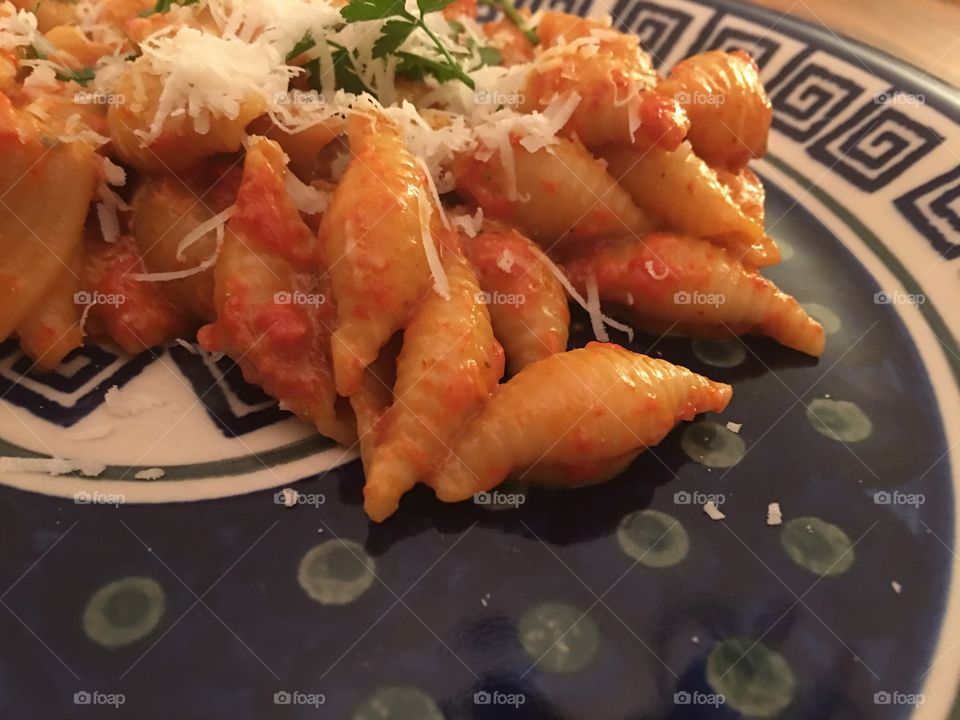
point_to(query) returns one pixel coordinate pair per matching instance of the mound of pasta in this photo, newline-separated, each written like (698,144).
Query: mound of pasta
(380,211)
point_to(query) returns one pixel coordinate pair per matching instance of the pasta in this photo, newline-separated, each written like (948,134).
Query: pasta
(448,367)
(728,108)
(274,313)
(614,80)
(683,285)
(688,198)
(573,411)
(373,237)
(527,304)
(561,194)
(375,210)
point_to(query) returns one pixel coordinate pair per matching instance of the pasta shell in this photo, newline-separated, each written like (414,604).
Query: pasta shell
(592,406)
(372,240)
(688,286)
(728,108)
(274,314)
(527,304)
(449,366)
(559,195)
(687,197)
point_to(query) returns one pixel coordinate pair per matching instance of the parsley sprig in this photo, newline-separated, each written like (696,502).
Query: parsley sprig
(400,24)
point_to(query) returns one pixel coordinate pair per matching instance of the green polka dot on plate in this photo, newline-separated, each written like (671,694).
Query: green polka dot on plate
(839,420)
(712,444)
(559,637)
(825,316)
(398,702)
(753,679)
(719,353)
(123,611)
(653,538)
(786,250)
(336,572)
(817,546)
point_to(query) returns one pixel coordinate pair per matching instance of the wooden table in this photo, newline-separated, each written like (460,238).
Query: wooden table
(925,33)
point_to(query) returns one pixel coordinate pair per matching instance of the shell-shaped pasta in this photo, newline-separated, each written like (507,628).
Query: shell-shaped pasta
(372,240)
(52,329)
(449,366)
(40,229)
(304,148)
(614,79)
(684,193)
(274,315)
(527,304)
(166,209)
(134,314)
(179,145)
(592,406)
(747,192)
(689,286)
(728,108)
(562,194)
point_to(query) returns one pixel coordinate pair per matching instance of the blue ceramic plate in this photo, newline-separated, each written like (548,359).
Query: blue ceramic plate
(619,601)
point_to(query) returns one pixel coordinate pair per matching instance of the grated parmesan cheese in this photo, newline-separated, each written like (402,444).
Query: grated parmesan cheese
(774,516)
(712,511)
(734,427)
(579,299)
(440,283)
(130,404)
(210,76)
(51,466)
(150,474)
(506,261)
(306,198)
(96,432)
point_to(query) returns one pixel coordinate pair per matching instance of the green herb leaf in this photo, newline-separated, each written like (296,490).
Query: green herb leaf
(489,56)
(416,66)
(345,73)
(360,10)
(306,43)
(82,77)
(429,6)
(394,33)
